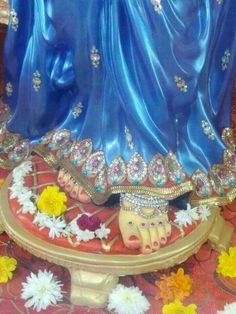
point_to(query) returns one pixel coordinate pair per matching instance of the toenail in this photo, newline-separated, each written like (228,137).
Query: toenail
(156,243)
(153,224)
(130,223)
(133,237)
(143,225)
(163,240)
(168,234)
(160,223)
(147,247)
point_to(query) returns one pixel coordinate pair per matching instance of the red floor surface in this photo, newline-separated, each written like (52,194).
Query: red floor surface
(209,294)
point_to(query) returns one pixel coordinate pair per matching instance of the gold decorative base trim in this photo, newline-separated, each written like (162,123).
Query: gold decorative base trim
(91,289)
(93,276)
(221,235)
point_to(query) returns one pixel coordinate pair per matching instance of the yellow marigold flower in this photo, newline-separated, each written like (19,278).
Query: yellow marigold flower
(51,201)
(176,286)
(7,266)
(177,307)
(227,263)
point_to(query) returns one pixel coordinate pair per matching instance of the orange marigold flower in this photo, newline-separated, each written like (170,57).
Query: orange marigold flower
(176,286)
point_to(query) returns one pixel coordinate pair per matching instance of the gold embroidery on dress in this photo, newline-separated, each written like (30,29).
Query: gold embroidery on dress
(225,60)
(181,84)
(36,81)
(14,21)
(77,110)
(9,89)
(157,5)
(95,57)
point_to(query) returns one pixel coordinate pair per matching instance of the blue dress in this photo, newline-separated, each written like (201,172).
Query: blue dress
(135,94)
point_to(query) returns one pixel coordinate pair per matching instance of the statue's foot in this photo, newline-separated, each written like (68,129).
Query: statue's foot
(146,229)
(72,188)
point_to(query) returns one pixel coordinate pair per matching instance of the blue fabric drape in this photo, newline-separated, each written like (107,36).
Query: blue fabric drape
(141,52)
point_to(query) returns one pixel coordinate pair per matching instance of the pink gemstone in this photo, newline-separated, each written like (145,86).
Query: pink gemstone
(116,169)
(221,175)
(159,168)
(95,163)
(200,183)
(136,167)
(82,150)
(234,158)
(19,150)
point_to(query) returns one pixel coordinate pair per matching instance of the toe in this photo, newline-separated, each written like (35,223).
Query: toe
(129,231)
(83,196)
(74,191)
(162,232)
(146,246)
(168,229)
(155,240)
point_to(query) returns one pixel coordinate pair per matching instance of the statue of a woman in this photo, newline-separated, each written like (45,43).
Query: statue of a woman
(134,93)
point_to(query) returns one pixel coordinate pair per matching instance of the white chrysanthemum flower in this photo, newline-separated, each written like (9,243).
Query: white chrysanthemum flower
(183,218)
(41,220)
(84,235)
(24,197)
(28,208)
(17,190)
(41,290)
(204,212)
(23,169)
(192,212)
(102,232)
(124,300)
(56,226)
(228,309)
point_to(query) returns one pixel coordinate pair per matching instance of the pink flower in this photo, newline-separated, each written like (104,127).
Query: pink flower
(90,223)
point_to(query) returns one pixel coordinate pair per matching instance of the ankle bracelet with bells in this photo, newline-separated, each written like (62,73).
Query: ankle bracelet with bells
(139,202)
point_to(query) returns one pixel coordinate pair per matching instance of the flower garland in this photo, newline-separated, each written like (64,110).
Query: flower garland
(50,205)
(187,217)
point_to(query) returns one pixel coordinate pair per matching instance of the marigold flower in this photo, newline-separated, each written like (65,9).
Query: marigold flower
(1,182)
(177,307)
(227,263)
(7,266)
(176,286)
(51,201)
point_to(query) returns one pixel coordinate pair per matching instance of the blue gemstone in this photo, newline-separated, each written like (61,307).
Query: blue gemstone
(97,188)
(114,182)
(135,182)
(85,172)
(231,184)
(179,180)
(74,162)
(158,183)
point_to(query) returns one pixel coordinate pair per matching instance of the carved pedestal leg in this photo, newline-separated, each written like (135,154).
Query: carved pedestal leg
(221,234)
(91,289)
